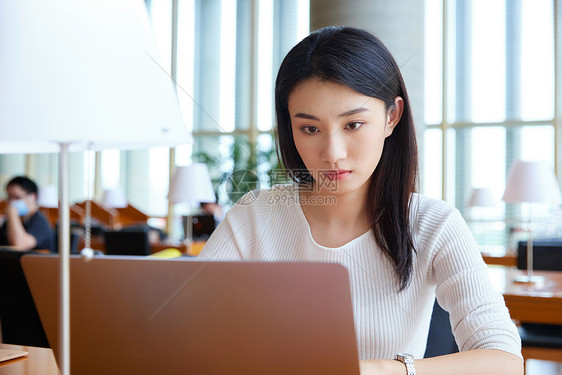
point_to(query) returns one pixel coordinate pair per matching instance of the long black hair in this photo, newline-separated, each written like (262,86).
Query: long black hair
(358,60)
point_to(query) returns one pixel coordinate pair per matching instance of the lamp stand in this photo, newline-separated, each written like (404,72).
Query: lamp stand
(529,278)
(188,230)
(63,354)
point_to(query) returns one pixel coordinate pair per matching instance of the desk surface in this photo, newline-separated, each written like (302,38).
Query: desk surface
(533,303)
(40,361)
(499,256)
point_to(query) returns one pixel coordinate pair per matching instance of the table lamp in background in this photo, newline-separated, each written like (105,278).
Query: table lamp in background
(76,76)
(481,197)
(111,199)
(531,182)
(114,198)
(191,185)
(47,196)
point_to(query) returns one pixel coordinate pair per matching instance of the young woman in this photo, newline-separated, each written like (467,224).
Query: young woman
(347,138)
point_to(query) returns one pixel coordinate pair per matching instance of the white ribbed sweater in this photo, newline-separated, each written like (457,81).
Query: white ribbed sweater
(272,227)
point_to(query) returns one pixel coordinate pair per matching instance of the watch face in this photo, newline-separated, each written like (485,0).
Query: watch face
(403,356)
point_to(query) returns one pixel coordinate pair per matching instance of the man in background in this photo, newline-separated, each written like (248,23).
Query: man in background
(24,227)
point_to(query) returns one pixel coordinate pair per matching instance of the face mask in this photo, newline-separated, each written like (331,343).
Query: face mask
(21,206)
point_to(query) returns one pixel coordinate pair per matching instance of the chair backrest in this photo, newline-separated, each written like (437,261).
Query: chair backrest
(162,236)
(203,225)
(18,316)
(547,255)
(73,242)
(440,340)
(127,242)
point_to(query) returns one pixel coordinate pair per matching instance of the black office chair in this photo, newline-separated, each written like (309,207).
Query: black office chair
(20,321)
(547,255)
(541,341)
(74,238)
(162,236)
(127,242)
(202,226)
(440,340)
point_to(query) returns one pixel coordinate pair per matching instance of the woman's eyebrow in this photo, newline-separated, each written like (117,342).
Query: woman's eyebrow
(307,116)
(353,112)
(344,114)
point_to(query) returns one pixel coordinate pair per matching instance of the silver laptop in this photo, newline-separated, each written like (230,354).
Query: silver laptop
(133,315)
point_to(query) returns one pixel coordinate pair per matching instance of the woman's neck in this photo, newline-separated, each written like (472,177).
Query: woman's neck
(335,219)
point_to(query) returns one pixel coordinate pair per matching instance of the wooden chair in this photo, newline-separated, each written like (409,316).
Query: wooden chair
(100,214)
(130,215)
(52,214)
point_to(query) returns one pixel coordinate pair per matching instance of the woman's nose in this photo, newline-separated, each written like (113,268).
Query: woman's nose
(335,148)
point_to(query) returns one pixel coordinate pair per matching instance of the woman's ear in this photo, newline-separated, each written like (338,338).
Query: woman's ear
(393,116)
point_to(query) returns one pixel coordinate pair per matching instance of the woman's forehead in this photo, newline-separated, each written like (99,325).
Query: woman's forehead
(326,96)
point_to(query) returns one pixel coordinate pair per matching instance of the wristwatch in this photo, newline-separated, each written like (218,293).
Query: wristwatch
(408,360)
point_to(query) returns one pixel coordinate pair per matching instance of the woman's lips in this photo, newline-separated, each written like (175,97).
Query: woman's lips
(337,175)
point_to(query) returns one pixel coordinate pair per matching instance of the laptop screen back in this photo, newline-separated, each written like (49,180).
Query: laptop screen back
(149,316)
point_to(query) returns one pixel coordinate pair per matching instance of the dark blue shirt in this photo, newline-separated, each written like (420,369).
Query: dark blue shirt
(36,225)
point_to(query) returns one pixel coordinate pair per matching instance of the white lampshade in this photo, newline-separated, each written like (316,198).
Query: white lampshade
(191,184)
(47,196)
(83,72)
(114,198)
(481,197)
(531,181)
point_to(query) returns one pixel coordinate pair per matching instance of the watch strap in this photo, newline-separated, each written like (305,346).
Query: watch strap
(408,361)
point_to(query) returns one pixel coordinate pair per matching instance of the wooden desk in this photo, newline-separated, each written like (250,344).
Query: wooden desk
(40,361)
(532,303)
(500,257)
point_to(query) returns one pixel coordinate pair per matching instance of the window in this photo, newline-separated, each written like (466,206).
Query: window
(228,53)
(224,56)
(490,91)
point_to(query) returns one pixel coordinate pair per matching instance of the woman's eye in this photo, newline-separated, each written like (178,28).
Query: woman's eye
(354,125)
(310,129)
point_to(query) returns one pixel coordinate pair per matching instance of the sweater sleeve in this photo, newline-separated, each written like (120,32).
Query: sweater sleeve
(479,317)
(239,233)
(222,245)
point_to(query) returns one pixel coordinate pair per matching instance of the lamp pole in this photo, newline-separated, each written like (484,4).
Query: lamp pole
(64,261)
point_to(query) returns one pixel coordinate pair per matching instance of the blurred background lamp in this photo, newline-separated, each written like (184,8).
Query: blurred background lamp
(191,185)
(47,196)
(482,197)
(531,182)
(114,198)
